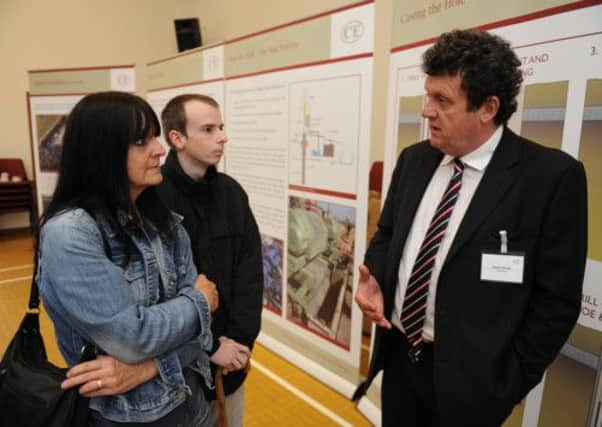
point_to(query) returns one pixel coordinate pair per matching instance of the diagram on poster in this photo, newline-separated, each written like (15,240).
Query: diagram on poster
(324,133)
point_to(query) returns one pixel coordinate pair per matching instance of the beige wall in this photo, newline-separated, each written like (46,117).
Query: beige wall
(37,34)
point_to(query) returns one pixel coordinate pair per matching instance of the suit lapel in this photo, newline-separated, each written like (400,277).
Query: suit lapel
(500,175)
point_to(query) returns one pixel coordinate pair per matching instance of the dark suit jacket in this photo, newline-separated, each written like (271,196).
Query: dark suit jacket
(493,341)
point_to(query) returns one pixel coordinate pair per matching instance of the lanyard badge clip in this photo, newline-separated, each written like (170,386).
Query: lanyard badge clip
(503,241)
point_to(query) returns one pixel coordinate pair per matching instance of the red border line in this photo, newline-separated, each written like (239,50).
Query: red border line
(272,310)
(303,65)
(509,21)
(324,192)
(60,70)
(320,334)
(557,40)
(35,95)
(179,55)
(298,21)
(413,45)
(185,53)
(578,36)
(186,84)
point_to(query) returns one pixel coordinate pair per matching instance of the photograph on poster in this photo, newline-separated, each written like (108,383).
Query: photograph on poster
(590,151)
(544,110)
(50,140)
(320,267)
(271,250)
(410,121)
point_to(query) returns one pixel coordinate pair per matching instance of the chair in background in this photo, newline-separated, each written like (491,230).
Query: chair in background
(374,196)
(16,191)
(376,177)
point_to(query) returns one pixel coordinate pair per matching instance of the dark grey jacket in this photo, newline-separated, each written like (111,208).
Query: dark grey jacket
(226,247)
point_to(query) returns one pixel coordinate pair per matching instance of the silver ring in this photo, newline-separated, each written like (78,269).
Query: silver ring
(98,384)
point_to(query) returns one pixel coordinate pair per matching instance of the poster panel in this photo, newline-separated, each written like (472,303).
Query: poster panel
(52,95)
(552,105)
(297,111)
(557,107)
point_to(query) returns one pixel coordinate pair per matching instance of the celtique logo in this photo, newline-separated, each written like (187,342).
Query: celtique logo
(352,31)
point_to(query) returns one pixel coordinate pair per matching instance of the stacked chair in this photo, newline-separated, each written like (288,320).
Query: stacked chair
(16,191)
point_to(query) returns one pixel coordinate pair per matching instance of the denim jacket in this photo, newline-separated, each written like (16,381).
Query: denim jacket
(126,310)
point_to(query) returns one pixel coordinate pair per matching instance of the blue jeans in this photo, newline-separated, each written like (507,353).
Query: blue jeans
(194,412)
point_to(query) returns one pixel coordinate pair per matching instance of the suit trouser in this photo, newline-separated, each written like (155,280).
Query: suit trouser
(407,395)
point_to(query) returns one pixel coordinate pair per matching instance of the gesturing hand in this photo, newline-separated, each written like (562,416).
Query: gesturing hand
(207,288)
(370,298)
(230,355)
(107,376)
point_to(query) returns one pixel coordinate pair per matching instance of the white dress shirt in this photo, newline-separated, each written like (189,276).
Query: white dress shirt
(475,163)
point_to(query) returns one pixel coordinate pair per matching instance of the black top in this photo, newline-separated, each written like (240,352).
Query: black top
(226,247)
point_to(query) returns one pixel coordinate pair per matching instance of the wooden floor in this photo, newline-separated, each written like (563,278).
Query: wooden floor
(278,394)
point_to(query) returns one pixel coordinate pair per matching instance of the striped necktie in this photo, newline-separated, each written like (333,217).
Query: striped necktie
(413,312)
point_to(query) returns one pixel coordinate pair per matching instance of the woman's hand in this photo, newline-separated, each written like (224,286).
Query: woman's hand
(207,288)
(107,376)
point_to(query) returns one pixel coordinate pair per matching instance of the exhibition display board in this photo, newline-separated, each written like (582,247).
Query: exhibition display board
(52,94)
(298,104)
(559,46)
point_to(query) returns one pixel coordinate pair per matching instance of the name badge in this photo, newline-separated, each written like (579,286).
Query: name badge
(502,267)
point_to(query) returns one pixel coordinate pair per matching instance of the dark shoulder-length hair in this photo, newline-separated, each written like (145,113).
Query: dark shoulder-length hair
(93,169)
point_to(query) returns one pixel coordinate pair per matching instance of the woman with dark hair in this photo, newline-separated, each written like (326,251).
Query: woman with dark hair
(115,270)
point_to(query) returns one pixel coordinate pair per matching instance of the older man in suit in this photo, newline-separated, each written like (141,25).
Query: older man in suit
(474,275)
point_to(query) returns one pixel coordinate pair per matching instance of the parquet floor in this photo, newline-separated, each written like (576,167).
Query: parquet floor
(277,392)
